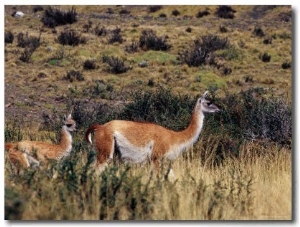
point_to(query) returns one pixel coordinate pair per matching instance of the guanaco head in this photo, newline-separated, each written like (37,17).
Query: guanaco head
(206,105)
(69,123)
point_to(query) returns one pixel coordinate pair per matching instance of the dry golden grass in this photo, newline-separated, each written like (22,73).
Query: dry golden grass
(257,185)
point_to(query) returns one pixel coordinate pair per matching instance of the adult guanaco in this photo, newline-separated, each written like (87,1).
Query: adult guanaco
(138,142)
(28,153)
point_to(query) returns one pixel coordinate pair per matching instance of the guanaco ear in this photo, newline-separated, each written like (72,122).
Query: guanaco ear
(203,96)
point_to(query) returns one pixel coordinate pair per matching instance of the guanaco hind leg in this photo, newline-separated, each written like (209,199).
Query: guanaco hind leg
(105,149)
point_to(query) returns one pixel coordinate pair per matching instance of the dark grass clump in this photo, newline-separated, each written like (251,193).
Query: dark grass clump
(115,36)
(175,13)
(225,12)
(124,12)
(30,44)
(100,31)
(286,65)
(88,26)
(223,29)
(202,14)
(115,65)
(202,50)
(189,30)
(9,37)
(24,40)
(149,41)
(55,17)
(265,57)
(89,64)
(258,32)
(155,8)
(26,55)
(132,47)
(71,38)
(37,8)
(268,41)
(163,15)
(74,75)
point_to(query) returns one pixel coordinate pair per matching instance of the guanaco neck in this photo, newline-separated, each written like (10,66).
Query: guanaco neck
(192,132)
(190,135)
(65,142)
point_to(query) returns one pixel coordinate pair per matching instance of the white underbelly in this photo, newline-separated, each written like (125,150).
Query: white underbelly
(132,153)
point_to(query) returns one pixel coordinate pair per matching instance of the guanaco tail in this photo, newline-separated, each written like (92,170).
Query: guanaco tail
(27,153)
(138,142)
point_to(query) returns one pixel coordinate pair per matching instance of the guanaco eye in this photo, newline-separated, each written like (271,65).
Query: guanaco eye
(69,125)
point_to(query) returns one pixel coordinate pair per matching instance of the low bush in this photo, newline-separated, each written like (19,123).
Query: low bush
(161,107)
(249,115)
(286,65)
(100,31)
(132,47)
(202,50)
(115,36)
(175,13)
(55,17)
(124,12)
(258,31)
(225,12)
(9,37)
(24,40)
(89,64)
(37,8)
(265,57)
(154,8)
(115,65)
(149,41)
(74,75)
(71,38)
(202,14)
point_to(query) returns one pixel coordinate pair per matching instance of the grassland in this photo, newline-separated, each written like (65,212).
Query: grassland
(234,172)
